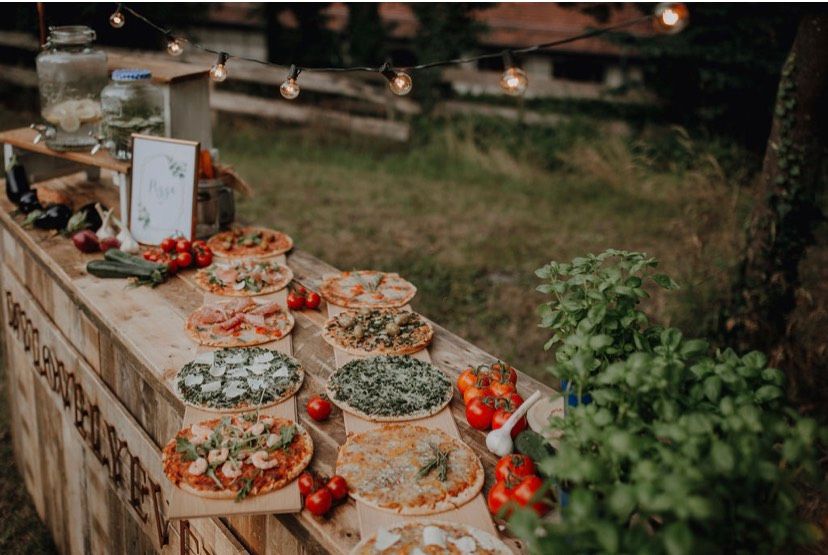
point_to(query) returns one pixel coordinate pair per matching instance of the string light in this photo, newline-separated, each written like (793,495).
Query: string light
(290,88)
(175,46)
(117,18)
(670,17)
(514,80)
(399,82)
(218,72)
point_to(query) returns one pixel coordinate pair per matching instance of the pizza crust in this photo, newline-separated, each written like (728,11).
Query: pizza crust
(483,539)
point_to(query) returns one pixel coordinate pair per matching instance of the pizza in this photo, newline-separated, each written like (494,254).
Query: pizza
(367,289)
(381,331)
(244,277)
(431,538)
(389,388)
(229,380)
(236,456)
(409,469)
(239,323)
(249,242)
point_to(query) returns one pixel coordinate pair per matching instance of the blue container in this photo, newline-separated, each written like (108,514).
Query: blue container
(572,399)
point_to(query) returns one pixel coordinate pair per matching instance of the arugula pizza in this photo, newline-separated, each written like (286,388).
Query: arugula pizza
(389,388)
(409,469)
(383,331)
(250,242)
(229,380)
(431,537)
(244,277)
(237,456)
(367,289)
(239,323)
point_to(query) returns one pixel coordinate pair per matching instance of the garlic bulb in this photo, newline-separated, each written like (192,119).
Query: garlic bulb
(106,230)
(128,242)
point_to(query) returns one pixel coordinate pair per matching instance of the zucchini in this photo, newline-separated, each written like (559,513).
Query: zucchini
(111,269)
(117,255)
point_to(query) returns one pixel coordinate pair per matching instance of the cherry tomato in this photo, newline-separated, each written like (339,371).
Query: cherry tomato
(149,255)
(319,502)
(502,372)
(338,487)
(530,490)
(515,399)
(199,244)
(172,266)
(476,391)
(502,415)
(184,259)
(295,301)
(168,244)
(471,376)
(183,245)
(307,483)
(502,389)
(312,300)
(500,498)
(319,408)
(203,258)
(479,413)
(514,464)
(300,290)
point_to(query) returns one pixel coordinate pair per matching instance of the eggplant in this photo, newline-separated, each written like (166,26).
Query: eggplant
(17,183)
(86,217)
(55,216)
(28,202)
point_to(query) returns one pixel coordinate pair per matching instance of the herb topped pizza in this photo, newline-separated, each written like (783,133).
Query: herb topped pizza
(249,242)
(409,469)
(426,538)
(244,278)
(367,289)
(237,456)
(383,331)
(389,388)
(239,323)
(229,380)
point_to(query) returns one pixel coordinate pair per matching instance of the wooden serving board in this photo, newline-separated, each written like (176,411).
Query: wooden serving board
(285,500)
(474,513)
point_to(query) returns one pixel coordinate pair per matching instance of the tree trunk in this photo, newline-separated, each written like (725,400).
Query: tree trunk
(782,224)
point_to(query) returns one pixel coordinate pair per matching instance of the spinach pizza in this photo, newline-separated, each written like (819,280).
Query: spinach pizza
(381,331)
(389,388)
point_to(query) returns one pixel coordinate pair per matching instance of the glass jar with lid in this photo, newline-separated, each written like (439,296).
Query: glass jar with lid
(71,74)
(131,104)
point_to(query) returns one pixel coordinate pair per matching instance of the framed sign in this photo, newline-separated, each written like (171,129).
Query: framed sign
(162,199)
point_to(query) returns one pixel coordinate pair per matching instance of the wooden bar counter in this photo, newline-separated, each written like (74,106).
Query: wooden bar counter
(89,367)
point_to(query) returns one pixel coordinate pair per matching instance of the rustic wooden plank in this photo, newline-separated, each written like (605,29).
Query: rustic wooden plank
(23,138)
(164,70)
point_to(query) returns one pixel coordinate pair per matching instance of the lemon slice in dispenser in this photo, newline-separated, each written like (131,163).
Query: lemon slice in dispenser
(69,122)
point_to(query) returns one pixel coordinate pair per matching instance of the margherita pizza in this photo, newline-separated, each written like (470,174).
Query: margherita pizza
(229,380)
(244,278)
(409,469)
(367,289)
(383,331)
(239,323)
(389,388)
(237,456)
(249,242)
(431,538)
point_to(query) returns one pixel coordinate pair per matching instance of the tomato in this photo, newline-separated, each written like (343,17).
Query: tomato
(502,389)
(530,490)
(168,244)
(503,373)
(471,376)
(476,391)
(319,408)
(172,266)
(300,290)
(200,244)
(150,255)
(312,300)
(184,259)
(307,483)
(203,258)
(500,498)
(479,413)
(515,400)
(338,487)
(295,301)
(319,502)
(183,245)
(502,415)
(515,464)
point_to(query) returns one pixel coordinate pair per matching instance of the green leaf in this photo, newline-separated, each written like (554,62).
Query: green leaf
(665,281)
(713,388)
(767,393)
(678,540)
(723,457)
(607,536)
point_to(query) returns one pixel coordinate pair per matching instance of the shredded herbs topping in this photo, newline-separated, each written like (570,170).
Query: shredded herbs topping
(187,449)
(438,462)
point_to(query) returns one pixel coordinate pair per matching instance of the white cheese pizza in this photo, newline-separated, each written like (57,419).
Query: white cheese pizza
(367,289)
(431,538)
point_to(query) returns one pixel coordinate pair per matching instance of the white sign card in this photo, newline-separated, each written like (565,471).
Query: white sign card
(163,197)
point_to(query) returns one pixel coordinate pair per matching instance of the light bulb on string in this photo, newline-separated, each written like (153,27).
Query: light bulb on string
(218,72)
(514,80)
(290,88)
(175,46)
(670,17)
(117,18)
(399,82)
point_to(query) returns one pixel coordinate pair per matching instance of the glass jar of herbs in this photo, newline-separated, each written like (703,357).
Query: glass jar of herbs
(131,104)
